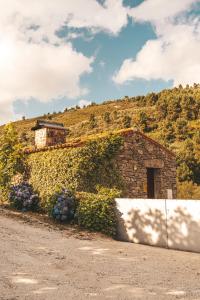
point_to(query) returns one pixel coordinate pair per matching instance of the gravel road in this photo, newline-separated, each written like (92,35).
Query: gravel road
(39,262)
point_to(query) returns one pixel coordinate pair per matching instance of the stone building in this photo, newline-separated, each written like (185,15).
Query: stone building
(147,168)
(49,133)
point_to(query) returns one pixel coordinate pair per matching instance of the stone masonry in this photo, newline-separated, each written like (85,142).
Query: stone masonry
(49,133)
(147,168)
(140,153)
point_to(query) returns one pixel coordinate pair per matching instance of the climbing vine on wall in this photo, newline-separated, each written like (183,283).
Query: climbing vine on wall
(79,169)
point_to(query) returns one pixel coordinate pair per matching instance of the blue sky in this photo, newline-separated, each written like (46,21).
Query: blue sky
(129,47)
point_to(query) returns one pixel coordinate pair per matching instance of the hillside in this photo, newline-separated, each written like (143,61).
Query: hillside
(172,117)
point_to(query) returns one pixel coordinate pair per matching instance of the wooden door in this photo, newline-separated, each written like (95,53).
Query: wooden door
(150,183)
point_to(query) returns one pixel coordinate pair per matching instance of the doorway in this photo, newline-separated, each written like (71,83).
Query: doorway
(151,183)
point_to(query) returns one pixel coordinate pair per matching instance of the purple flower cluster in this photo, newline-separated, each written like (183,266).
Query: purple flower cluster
(23,197)
(64,206)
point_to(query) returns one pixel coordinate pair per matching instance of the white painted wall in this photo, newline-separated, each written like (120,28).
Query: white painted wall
(168,223)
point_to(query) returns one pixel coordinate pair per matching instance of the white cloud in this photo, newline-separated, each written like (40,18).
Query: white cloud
(175,54)
(40,71)
(34,61)
(83,103)
(158,10)
(49,16)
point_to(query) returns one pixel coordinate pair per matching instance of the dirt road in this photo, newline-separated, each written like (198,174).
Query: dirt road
(37,262)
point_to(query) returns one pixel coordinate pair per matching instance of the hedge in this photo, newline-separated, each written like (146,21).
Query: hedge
(96,212)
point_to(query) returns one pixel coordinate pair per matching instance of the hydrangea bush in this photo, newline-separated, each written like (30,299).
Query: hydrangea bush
(62,206)
(22,197)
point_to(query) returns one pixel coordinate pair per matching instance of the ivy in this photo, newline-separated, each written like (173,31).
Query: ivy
(79,169)
(11,158)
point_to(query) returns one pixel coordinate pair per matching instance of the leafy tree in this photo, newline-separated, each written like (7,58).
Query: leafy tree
(189,108)
(143,119)
(92,121)
(189,166)
(181,129)
(127,121)
(161,109)
(168,132)
(106,117)
(11,157)
(115,115)
(152,98)
(174,108)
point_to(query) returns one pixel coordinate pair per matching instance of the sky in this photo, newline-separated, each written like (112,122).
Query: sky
(57,54)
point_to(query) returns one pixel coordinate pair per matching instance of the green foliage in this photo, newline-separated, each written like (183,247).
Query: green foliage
(181,128)
(80,169)
(96,212)
(127,121)
(106,117)
(143,121)
(188,163)
(11,158)
(188,190)
(93,121)
(168,132)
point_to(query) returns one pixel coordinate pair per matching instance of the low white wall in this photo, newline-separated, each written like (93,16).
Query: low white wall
(168,223)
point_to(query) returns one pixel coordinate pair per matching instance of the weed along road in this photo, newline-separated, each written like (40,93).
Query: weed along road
(40,262)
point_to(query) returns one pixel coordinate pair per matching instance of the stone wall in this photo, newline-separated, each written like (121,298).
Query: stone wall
(40,137)
(49,136)
(140,153)
(55,136)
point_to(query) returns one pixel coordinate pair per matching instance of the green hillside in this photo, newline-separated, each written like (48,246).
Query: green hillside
(172,117)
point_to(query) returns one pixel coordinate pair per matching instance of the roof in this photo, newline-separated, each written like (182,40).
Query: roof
(82,141)
(46,124)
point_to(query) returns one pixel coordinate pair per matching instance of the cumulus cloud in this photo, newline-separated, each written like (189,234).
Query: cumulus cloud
(34,61)
(84,102)
(159,10)
(175,54)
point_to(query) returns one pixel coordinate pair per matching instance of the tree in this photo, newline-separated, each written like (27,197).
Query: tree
(92,121)
(115,115)
(143,119)
(168,132)
(174,108)
(181,129)
(106,117)
(127,121)
(11,157)
(188,164)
